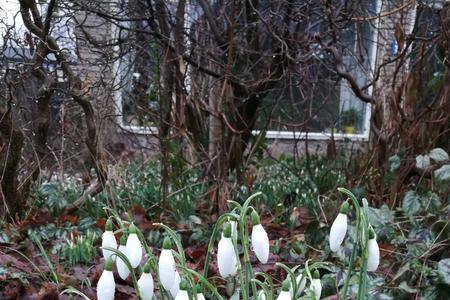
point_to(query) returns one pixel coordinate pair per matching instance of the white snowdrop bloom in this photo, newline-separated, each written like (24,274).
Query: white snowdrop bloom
(108,240)
(285,294)
(122,268)
(373,259)
(166,265)
(134,247)
(260,240)
(339,228)
(182,293)
(145,283)
(301,283)
(106,286)
(316,285)
(200,296)
(226,256)
(262,295)
(176,285)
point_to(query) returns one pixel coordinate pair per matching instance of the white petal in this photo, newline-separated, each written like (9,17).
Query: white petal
(182,295)
(284,295)
(134,250)
(301,283)
(145,284)
(338,231)
(373,259)
(261,295)
(200,296)
(260,243)
(106,286)
(166,268)
(108,240)
(176,285)
(226,258)
(316,286)
(122,268)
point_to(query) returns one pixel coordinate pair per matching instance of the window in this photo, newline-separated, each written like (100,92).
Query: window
(319,103)
(315,100)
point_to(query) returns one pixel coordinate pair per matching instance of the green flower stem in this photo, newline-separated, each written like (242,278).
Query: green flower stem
(265,287)
(361,239)
(127,263)
(268,279)
(245,245)
(204,281)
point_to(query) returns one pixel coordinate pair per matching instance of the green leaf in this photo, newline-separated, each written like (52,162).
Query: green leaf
(444,270)
(438,154)
(411,203)
(380,216)
(394,162)
(443,173)
(422,161)
(433,202)
(404,286)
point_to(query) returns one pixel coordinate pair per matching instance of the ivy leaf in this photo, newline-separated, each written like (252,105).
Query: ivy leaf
(423,161)
(411,203)
(438,154)
(433,202)
(443,173)
(404,286)
(444,270)
(394,162)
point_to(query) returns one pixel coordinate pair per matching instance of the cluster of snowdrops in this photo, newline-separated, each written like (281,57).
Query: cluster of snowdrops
(127,257)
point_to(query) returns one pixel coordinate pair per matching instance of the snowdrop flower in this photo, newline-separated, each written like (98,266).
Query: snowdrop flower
(108,240)
(176,285)
(226,256)
(316,285)
(166,265)
(106,286)
(145,283)
(339,228)
(261,295)
(373,259)
(134,247)
(183,294)
(260,240)
(285,294)
(122,268)
(200,295)
(301,283)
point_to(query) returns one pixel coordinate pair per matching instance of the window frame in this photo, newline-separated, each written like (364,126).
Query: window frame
(270,134)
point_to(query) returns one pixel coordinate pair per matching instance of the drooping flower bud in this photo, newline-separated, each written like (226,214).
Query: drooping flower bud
(373,259)
(106,286)
(339,228)
(134,247)
(122,268)
(108,240)
(260,240)
(166,265)
(145,283)
(226,256)
(316,285)
(285,294)
(182,293)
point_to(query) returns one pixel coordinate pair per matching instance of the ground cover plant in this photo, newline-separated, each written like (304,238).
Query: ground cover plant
(63,252)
